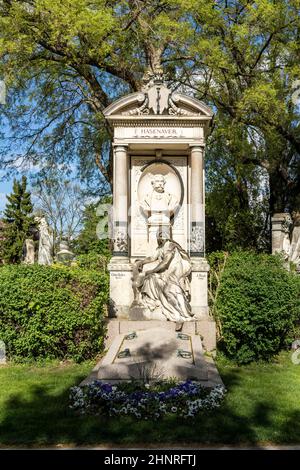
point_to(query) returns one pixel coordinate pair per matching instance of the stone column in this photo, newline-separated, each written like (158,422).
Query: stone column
(121,293)
(200,267)
(120,201)
(197,233)
(281,224)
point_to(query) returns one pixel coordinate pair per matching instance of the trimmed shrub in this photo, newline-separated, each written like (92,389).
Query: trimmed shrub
(92,261)
(256,305)
(52,312)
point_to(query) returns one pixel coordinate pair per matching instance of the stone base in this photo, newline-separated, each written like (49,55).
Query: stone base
(205,328)
(121,293)
(155,353)
(140,313)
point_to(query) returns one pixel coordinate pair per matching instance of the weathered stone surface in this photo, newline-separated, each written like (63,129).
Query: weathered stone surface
(121,293)
(29,252)
(205,328)
(45,253)
(281,224)
(155,354)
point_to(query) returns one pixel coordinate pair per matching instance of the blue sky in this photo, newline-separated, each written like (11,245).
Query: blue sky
(5,188)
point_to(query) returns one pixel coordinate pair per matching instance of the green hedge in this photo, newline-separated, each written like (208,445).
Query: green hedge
(92,261)
(52,312)
(256,306)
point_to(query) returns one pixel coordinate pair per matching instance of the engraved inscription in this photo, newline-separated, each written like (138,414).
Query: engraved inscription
(200,276)
(117,275)
(158,132)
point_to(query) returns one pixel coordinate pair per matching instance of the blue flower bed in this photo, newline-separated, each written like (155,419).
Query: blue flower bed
(186,399)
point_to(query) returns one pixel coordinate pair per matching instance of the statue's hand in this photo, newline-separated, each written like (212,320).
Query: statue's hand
(139,265)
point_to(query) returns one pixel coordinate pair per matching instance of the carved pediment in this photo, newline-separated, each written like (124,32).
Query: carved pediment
(158,100)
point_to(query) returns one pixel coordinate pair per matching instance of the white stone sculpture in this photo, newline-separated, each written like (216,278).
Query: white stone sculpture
(64,255)
(286,242)
(163,292)
(159,205)
(45,256)
(29,252)
(295,243)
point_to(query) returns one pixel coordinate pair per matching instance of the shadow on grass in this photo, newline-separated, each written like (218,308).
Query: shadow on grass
(45,419)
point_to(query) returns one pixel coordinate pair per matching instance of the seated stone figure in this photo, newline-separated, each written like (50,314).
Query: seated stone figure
(164,291)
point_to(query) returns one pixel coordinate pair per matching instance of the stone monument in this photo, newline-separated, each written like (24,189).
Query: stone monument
(159,144)
(295,242)
(159,317)
(281,228)
(286,237)
(45,253)
(29,251)
(64,254)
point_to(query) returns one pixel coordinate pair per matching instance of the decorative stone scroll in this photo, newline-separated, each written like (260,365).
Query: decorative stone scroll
(159,100)
(120,239)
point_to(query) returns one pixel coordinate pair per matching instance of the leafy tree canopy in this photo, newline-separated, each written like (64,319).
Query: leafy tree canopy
(65,61)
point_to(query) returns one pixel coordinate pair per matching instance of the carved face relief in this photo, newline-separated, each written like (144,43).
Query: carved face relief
(158,183)
(159,192)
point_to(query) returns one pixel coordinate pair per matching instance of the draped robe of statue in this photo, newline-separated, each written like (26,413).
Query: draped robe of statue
(168,289)
(45,243)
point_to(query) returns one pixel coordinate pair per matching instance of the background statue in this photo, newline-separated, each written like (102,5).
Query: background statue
(159,205)
(29,251)
(166,287)
(45,254)
(286,242)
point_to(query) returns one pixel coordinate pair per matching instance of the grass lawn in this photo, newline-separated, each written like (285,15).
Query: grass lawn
(262,405)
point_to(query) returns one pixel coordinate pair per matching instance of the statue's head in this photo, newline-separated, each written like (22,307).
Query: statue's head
(162,236)
(41,221)
(158,183)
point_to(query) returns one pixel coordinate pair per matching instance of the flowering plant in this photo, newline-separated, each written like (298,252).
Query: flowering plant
(143,401)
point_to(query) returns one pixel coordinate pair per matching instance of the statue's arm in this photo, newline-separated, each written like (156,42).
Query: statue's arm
(148,260)
(163,265)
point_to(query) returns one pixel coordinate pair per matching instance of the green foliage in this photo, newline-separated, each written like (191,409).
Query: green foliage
(18,221)
(257,304)
(72,58)
(237,197)
(52,312)
(92,261)
(94,225)
(217,261)
(262,405)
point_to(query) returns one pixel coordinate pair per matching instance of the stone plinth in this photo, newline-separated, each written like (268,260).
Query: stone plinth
(280,233)
(155,353)
(205,328)
(199,297)
(121,293)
